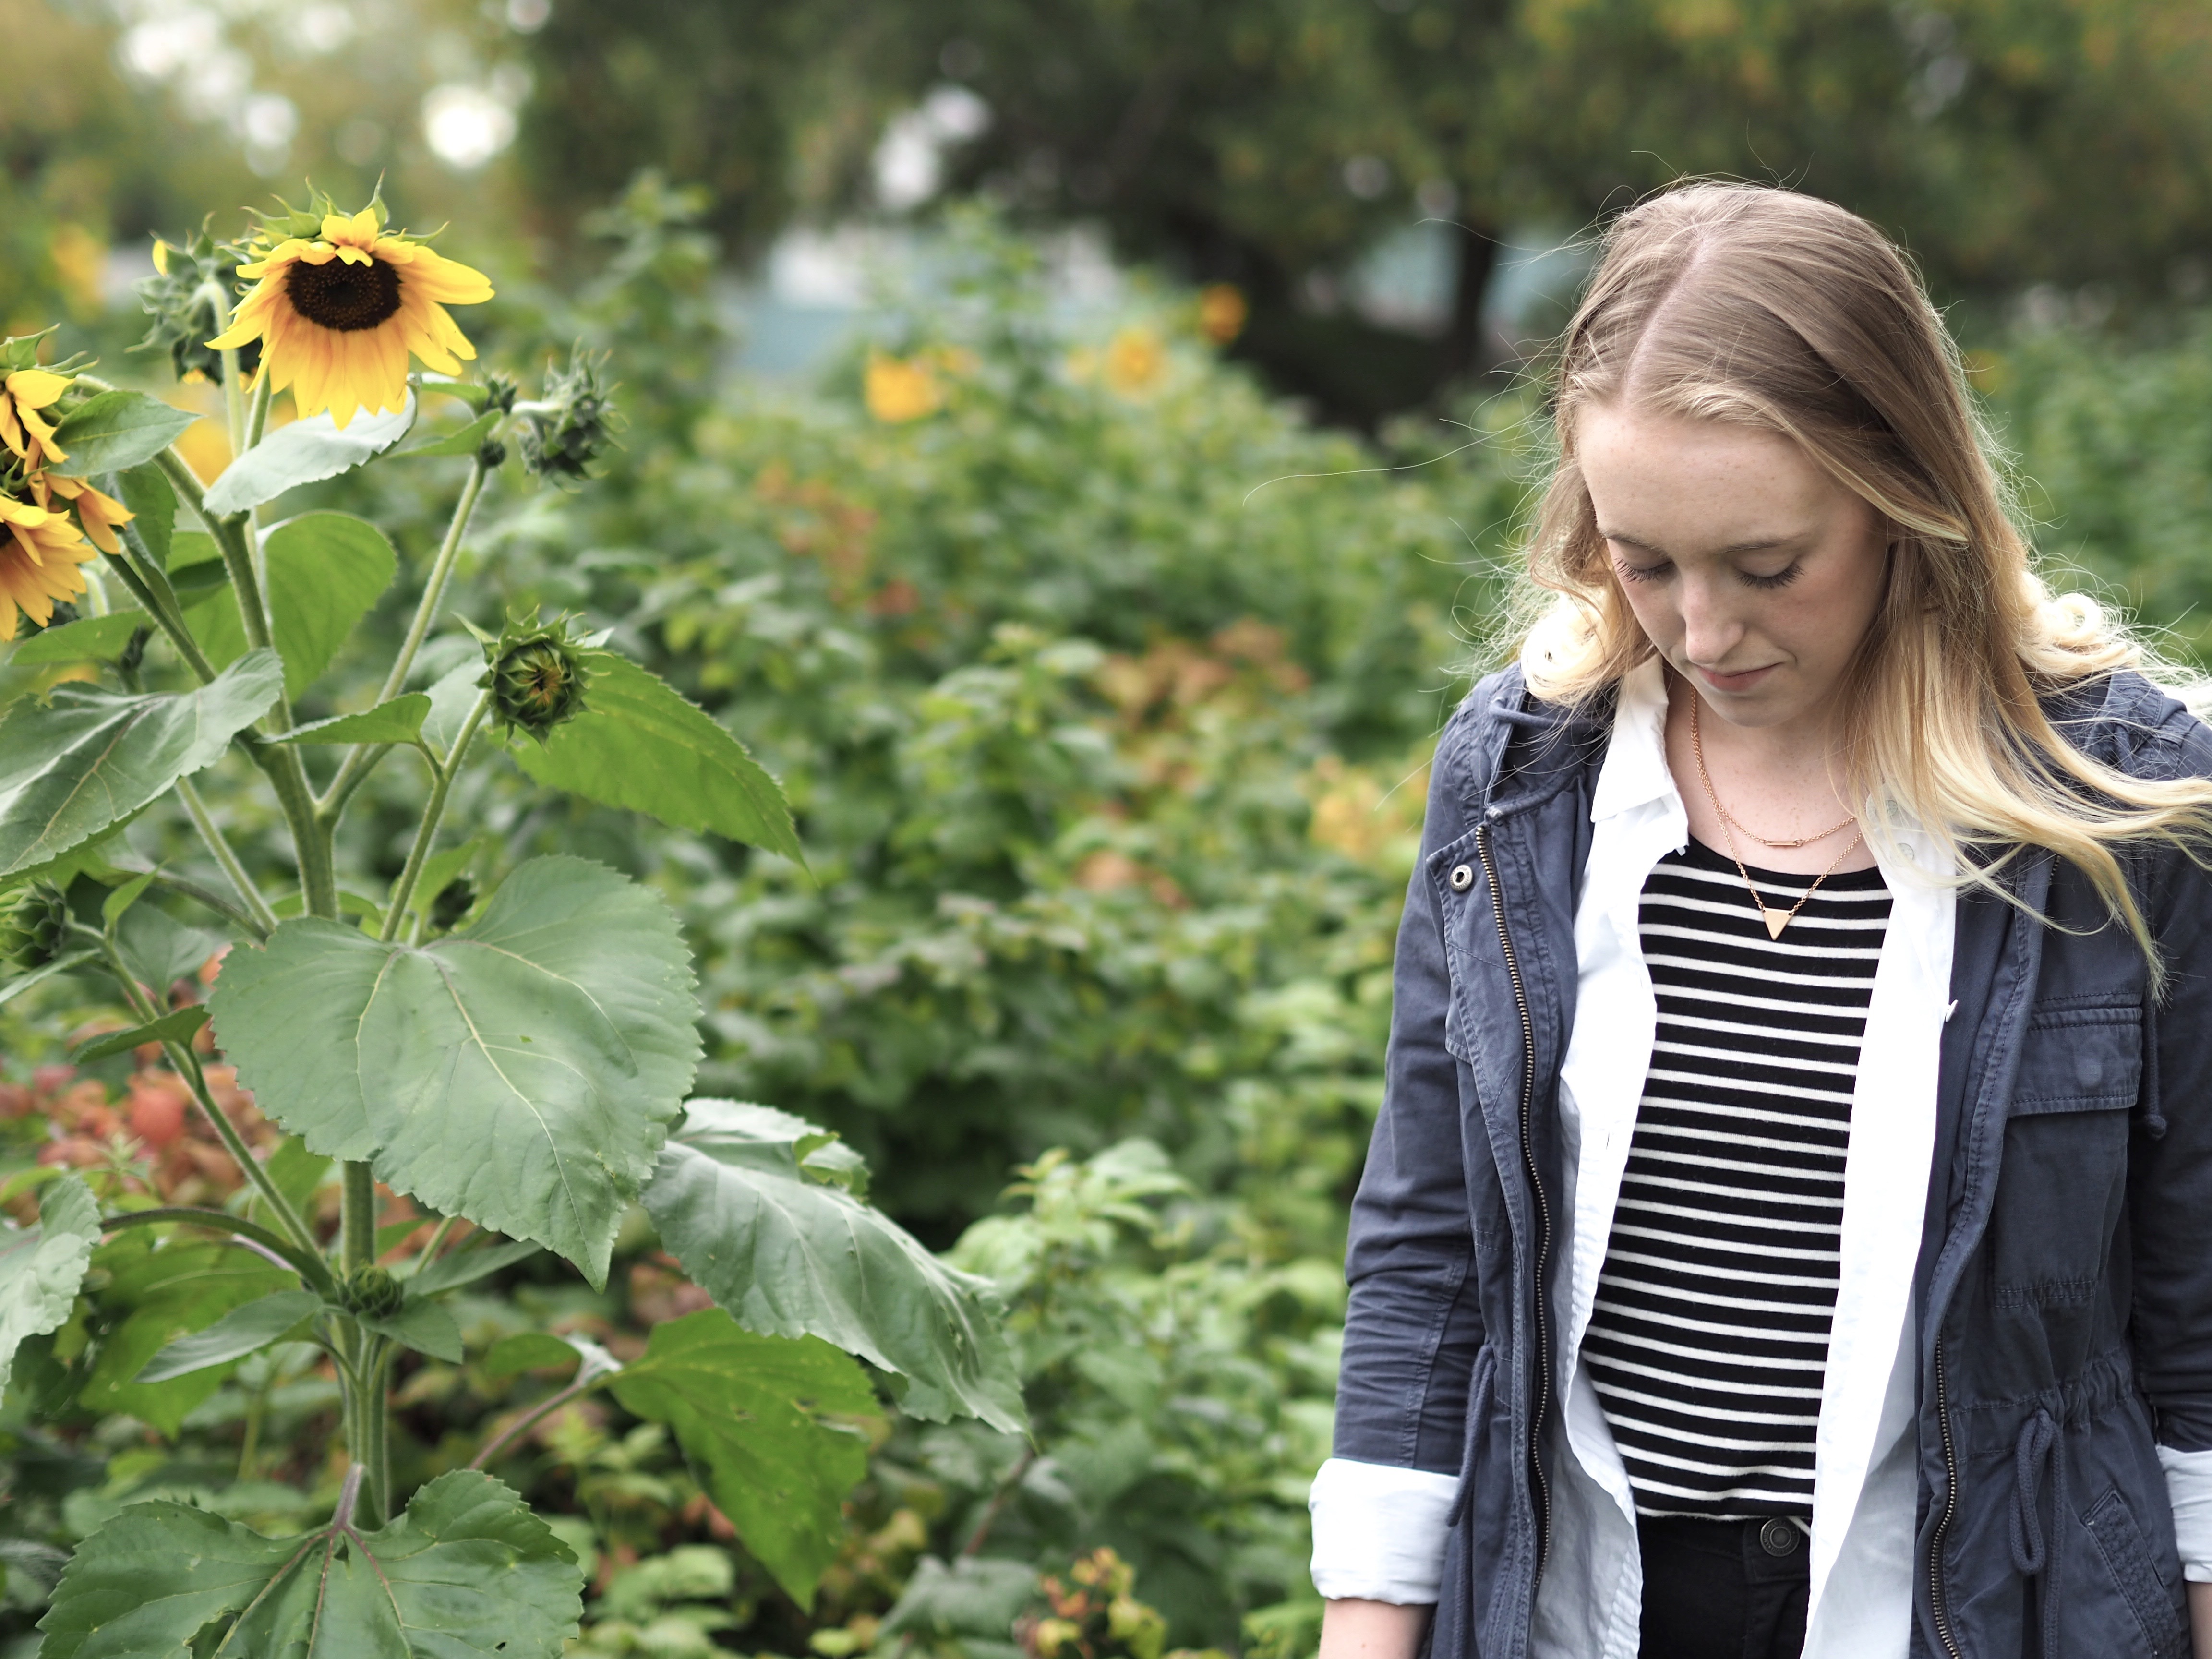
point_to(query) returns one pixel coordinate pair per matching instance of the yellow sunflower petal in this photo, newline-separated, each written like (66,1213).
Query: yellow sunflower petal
(38,428)
(100,514)
(448,280)
(34,388)
(11,432)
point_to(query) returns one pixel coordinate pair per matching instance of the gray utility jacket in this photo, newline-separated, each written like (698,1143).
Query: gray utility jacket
(2064,1284)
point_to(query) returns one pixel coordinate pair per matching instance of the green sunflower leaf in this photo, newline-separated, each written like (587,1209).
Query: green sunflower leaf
(400,720)
(467,1570)
(113,430)
(747,1410)
(156,1293)
(640,744)
(178,1027)
(303,452)
(42,1265)
(425,1327)
(520,1071)
(146,490)
(465,442)
(238,1332)
(102,638)
(789,1255)
(90,757)
(324,571)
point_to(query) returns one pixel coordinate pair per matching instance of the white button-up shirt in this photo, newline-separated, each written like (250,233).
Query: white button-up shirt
(1378,1529)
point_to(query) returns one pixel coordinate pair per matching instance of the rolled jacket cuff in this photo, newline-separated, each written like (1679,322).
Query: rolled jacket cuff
(2188,1489)
(1378,1531)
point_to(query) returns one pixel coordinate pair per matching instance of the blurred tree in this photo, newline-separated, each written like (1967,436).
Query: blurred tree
(1271,142)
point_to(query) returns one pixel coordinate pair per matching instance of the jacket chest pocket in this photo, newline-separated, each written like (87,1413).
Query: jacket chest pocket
(2064,1179)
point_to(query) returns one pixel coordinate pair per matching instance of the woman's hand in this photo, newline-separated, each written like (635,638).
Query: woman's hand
(1383,1630)
(2200,1620)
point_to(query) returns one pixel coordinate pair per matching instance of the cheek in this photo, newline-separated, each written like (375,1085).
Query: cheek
(1652,605)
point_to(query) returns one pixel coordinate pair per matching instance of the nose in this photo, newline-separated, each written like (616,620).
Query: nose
(1712,625)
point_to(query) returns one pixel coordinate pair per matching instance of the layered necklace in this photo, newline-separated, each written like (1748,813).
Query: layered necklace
(1776,921)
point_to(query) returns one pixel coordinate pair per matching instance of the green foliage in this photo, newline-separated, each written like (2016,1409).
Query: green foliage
(400,720)
(304,452)
(783,1246)
(641,746)
(91,758)
(748,1410)
(324,571)
(42,1265)
(467,1569)
(106,637)
(520,1073)
(112,431)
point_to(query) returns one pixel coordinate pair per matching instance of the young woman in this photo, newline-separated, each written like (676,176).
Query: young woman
(1788,1228)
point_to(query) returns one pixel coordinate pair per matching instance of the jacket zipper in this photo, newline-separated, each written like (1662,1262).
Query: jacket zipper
(1543,1206)
(1950,1502)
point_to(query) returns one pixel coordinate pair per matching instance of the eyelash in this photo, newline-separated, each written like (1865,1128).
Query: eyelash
(1654,573)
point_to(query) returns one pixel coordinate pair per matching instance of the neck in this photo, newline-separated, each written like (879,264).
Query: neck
(1778,782)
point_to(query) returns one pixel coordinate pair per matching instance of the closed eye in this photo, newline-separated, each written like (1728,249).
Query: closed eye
(1781,578)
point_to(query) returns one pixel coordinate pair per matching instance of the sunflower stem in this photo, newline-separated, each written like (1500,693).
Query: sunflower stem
(233,394)
(434,588)
(363,759)
(358,1232)
(186,1065)
(166,616)
(263,918)
(426,834)
(257,417)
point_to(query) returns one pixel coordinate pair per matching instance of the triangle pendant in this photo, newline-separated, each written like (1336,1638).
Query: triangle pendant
(1776,921)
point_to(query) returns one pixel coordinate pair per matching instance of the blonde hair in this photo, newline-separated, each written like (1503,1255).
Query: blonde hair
(1761,306)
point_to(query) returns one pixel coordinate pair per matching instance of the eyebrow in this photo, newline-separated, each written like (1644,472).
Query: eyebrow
(1762,544)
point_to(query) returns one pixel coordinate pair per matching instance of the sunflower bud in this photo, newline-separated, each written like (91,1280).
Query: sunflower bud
(372,1292)
(536,676)
(180,297)
(34,928)
(569,427)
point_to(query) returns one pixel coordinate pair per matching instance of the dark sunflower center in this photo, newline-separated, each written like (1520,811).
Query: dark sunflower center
(342,297)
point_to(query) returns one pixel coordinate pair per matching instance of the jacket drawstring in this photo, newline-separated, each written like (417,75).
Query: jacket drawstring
(2040,1444)
(2037,1436)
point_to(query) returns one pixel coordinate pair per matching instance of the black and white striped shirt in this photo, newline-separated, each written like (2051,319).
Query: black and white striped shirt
(1708,1338)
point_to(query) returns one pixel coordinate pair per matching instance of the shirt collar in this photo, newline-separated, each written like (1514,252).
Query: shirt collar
(1635,771)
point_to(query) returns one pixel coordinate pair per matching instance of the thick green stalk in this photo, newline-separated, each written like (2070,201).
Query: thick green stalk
(426,833)
(359,1193)
(185,887)
(256,419)
(263,918)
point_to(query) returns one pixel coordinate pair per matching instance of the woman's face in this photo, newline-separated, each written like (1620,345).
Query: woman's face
(1752,570)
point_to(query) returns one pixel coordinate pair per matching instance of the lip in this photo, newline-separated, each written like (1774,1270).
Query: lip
(1742,682)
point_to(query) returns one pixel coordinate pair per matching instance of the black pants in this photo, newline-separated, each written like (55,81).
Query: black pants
(1724,1590)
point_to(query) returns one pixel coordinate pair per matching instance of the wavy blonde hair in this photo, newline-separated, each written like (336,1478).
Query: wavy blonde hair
(1764,307)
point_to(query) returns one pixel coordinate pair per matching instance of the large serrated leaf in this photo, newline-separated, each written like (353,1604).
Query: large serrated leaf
(116,429)
(302,454)
(324,572)
(41,1267)
(468,1570)
(520,1073)
(93,757)
(640,744)
(746,1409)
(789,1255)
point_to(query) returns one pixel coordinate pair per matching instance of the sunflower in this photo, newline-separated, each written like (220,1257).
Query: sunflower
(337,307)
(40,554)
(97,512)
(22,428)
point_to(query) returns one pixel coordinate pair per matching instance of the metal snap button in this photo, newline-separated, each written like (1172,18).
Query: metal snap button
(1778,1536)
(1462,878)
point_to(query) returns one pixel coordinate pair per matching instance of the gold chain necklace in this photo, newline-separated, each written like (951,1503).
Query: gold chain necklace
(1776,921)
(1698,743)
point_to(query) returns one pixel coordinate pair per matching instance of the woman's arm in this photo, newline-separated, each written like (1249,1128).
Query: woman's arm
(1383,1630)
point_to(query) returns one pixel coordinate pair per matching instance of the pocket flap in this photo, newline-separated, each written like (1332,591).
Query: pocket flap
(2079,1060)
